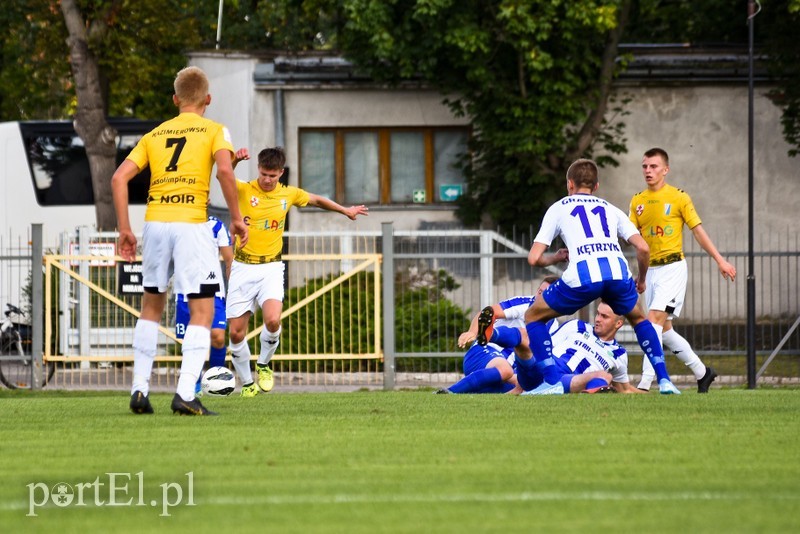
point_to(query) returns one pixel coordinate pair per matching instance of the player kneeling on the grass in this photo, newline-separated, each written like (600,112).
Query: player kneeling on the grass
(257,273)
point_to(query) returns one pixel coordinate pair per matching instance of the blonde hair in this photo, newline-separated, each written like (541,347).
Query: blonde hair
(191,86)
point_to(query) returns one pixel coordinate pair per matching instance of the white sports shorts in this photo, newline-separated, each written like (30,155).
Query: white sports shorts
(249,286)
(186,249)
(666,288)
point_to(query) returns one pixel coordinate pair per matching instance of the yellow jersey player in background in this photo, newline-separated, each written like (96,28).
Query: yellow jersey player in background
(257,272)
(180,153)
(659,212)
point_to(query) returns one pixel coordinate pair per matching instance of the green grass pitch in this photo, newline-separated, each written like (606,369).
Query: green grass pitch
(405,461)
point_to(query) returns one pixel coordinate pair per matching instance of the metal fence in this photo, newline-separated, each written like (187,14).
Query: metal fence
(431,284)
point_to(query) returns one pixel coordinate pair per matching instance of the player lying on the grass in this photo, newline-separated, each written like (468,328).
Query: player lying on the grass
(487,368)
(590,357)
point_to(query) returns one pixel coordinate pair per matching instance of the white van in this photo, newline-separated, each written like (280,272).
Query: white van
(45,177)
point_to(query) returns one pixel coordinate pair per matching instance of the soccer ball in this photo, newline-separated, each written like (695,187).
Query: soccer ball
(218,382)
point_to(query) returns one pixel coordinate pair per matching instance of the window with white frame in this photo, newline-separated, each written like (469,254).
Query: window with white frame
(403,165)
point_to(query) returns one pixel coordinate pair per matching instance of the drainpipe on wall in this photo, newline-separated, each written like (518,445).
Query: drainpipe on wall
(280,138)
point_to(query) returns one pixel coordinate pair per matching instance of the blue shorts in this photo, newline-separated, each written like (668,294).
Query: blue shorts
(182,316)
(478,357)
(621,295)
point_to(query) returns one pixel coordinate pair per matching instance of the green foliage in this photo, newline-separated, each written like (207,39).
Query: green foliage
(778,24)
(723,22)
(425,310)
(527,74)
(338,321)
(34,70)
(688,21)
(140,44)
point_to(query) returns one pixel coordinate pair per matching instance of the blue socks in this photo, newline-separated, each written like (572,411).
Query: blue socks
(540,341)
(566,380)
(506,336)
(648,339)
(478,381)
(217,357)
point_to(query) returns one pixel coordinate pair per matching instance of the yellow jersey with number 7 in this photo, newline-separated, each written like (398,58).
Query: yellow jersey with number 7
(180,154)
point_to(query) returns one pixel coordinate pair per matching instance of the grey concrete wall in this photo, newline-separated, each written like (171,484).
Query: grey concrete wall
(704,130)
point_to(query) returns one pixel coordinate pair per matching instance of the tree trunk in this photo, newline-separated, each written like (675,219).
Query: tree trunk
(594,122)
(90,119)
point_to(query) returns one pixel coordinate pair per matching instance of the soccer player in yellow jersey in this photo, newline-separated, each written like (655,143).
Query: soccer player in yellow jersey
(660,211)
(180,153)
(257,272)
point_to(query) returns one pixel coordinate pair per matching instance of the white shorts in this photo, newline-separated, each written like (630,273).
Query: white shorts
(249,286)
(666,288)
(186,249)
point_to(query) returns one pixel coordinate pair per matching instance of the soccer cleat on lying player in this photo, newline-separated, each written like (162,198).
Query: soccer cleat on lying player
(485,326)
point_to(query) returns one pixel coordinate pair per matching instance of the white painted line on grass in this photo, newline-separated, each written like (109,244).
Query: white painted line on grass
(262,500)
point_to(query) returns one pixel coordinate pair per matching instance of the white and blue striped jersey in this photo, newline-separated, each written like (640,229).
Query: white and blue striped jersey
(575,344)
(223,239)
(514,311)
(591,228)
(220,232)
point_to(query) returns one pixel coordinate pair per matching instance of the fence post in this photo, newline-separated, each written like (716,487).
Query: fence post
(65,309)
(487,268)
(37,305)
(84,296)
(387,246)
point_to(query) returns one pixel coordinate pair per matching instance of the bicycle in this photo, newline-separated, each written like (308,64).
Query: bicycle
(15,364)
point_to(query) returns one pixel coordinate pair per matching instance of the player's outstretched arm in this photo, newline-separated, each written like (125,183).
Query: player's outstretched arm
(726,269)
(327,204)
(241,155)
